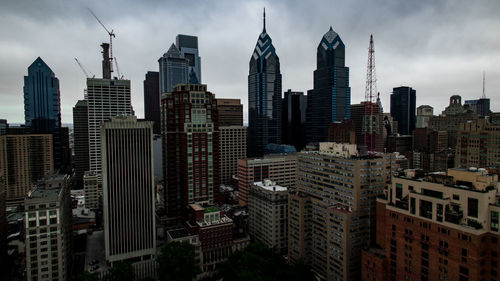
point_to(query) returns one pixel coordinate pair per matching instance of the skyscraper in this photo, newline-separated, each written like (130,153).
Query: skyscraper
(330,99)
(294,119)
(106,98)
(264,96)
(42,108)
(190,147)
(188,46)
(129,193)
(152,100)
(233,146)
(80,140)
(403,107)
(230,112)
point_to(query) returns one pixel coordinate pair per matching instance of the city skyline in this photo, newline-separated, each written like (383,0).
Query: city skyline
(428,42)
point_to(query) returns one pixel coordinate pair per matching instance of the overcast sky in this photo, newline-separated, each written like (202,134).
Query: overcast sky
(437,47)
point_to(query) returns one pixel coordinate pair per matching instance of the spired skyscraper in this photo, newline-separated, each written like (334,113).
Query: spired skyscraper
(264,96)
(330,99)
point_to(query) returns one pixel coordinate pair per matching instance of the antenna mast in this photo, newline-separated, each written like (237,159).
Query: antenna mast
(370,92)
(484,93)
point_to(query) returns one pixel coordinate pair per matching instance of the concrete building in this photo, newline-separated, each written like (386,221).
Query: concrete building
(424,114)
(268,215)
(230,112)
(342,132)
(24,159)
(233,146)
(80,141)
(48,229)
(331,212)
(400,143)
(191,149)
(92,189)
(439,226)
(281,169)
(478,144)
(129,193)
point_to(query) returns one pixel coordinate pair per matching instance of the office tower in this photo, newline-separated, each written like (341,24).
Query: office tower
(294,119)
(342,132)
(190,148)
(264,96)
(480,106)
(24,159)
(173,69)
(4,126)
(267,215)
(281,169)
(42,108)
(440,226)
(188,46)
(331,213)
(400,143)
(152,100)
(230,112)
(129,193)
(403,104)
(233,146)
(428,149)
(424,114)
(80,141)
(330,99)
(361,119)
(48,229)
(92,189)
(451,118)
(478,144)
(106,98)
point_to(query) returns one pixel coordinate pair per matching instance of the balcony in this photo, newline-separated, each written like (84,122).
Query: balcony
(453,214)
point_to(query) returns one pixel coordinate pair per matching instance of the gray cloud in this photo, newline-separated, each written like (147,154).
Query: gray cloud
(438,47)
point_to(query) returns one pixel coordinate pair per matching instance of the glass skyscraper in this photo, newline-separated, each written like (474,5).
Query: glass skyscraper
(264,96)
(330,99)
(403,109)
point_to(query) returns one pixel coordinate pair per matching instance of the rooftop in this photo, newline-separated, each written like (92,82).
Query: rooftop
(179,233)
(270,185)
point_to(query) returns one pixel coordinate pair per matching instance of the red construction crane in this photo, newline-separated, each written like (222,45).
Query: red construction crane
(111,35)
(370,93)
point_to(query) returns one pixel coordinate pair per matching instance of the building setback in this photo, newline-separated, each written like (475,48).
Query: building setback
(190,148)
(268,213)
(331,213)
(294,119)
(264,96)
(80,141)
(129,193)
(440,226)
(24,159)
(152,100)
(230,112)
(47,212)
(330,99)
(281,169)
(478,144)
(403,107)
(233,146)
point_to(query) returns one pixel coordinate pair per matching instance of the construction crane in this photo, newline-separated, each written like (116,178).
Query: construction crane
(120,76)
(83,69)
(111,35)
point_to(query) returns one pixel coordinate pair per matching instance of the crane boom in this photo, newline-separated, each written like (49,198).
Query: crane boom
(82,68)
(117,69)
(111,35)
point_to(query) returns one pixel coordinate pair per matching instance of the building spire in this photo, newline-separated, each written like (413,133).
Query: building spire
(484,93)
(264,19)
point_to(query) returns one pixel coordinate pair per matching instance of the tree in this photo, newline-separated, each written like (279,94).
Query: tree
(121,271)
(177,262)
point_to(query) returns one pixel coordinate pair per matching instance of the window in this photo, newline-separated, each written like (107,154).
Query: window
(399,191)
(494,221)
(426,209)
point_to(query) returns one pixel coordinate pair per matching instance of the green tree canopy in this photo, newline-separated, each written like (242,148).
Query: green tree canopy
(177,262)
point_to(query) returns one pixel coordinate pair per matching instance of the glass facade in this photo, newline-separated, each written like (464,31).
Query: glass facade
(403,108)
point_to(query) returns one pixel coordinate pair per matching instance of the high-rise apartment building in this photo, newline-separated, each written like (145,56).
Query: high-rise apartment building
(403,106)
(42,108)
(129,193)
(331,212)
(80,141)
(106,98)
(48,229)
(92,189)
(330,99)
(188,46)
(230,112)
(191,150)
(264,96)
(152,100)
(440,226)
(233,146)
(424,114)
(24,159)
(478,144)
(293,126)
(281,169)
(267,214)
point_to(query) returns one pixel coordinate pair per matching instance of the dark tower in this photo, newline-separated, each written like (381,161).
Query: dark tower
(106,63)
(264,96)
(152,100)
(403,108)
(330,99)
(294,119)
(81,141)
